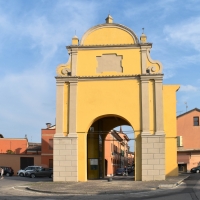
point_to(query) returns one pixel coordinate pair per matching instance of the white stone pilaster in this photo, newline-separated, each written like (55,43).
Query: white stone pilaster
(72,108)
(59,107)
(143,59)
(159,106)
(145,104)
(74,53)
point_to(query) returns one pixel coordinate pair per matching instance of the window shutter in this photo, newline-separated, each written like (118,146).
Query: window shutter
(179,141)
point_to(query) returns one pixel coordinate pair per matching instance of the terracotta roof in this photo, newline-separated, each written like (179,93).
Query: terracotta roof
(34,146)
(116,135)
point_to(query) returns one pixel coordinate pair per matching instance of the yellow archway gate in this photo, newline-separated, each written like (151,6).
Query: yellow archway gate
(110,72)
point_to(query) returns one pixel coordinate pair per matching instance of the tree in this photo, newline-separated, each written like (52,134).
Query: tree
(10,151)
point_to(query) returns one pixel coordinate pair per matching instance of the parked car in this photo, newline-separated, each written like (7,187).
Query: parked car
(41,172)
(195,170)
(120,171)
(8,171)
(21,172)
(129,169)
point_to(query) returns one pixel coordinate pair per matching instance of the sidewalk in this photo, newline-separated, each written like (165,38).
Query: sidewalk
(116,186)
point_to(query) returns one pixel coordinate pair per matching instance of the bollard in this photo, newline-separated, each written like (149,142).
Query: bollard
(109,179)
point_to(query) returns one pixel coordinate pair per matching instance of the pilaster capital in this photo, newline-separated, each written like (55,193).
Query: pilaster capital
(145,78)
(155,77)
(72,50)
(158,79)
(73,80)
(146,46)
(60,82)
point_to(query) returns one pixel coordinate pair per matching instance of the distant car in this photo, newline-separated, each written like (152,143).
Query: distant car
(41,172)
(195,170)
(129,169)
(21,172)
(120,171)
(8,171)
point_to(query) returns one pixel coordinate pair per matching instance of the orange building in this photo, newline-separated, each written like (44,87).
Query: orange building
(13,145)
(47,146)
(131,160)
(18,153)
(116,151)
(188,137)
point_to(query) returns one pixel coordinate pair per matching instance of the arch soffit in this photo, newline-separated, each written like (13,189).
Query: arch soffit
(113,25)
(106,116)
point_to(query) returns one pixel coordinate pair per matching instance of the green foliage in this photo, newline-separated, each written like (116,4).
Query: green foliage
(10,151)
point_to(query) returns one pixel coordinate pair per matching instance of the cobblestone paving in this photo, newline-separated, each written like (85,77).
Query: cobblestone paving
(116,186)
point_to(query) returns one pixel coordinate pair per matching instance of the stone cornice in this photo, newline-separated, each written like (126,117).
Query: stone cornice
(62,79)
(156,77)
(108,46)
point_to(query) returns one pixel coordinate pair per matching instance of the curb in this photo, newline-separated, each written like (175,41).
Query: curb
(89,193)
(164,186)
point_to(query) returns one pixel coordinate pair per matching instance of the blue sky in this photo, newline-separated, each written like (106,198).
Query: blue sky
(33,36)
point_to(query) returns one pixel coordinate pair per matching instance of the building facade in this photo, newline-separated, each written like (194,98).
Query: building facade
(131,161)
(18,153)
(188,137)
(13,145)
(47,135)
(107,60)
(116,148)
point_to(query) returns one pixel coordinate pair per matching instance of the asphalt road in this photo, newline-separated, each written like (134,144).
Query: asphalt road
(14,188)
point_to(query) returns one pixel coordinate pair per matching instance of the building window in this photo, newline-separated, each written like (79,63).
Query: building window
(196,121)
(50,144)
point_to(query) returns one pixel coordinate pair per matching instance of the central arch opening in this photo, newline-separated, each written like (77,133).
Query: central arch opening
(110,148)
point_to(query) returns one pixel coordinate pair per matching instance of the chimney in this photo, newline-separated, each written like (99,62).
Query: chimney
(48,125)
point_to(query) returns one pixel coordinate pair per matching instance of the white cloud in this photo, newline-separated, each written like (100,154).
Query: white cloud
(185,33)
(28,94)
(188,88)
(159,8)
(168,74)
(47,33)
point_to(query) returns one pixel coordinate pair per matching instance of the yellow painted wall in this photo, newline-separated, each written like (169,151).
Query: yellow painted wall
(93,153)
(87,62)
(104,98)
(107,95)
(108,35)
(169,103)
(82,156)
(117,98)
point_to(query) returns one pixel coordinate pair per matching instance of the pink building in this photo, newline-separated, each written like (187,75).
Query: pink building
(131,158)
(188,140)
(116,151)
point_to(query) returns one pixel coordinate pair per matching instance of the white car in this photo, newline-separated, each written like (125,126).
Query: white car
(22,172)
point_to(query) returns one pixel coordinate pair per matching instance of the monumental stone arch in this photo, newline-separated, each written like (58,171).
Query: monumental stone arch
(110,80)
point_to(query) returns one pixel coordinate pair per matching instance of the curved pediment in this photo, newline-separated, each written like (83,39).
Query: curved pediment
(109,34)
